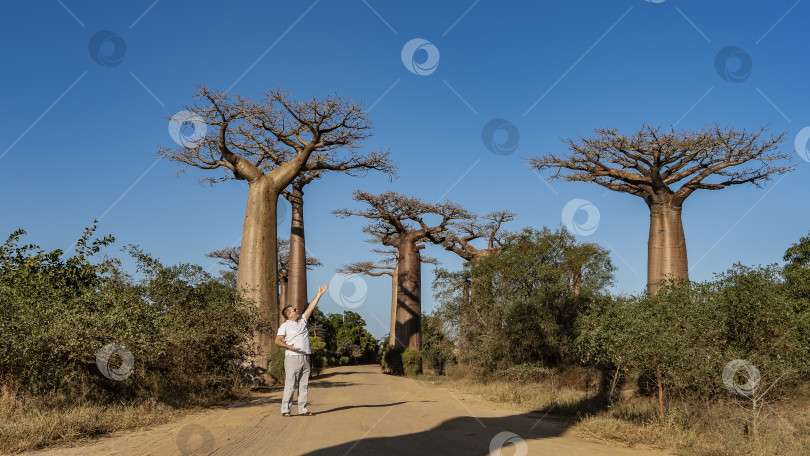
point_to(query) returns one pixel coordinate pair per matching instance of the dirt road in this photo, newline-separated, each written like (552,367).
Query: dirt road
(358,411)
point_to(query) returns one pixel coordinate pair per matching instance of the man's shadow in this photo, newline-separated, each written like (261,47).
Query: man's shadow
(330,374)
(346,407)
(468,435)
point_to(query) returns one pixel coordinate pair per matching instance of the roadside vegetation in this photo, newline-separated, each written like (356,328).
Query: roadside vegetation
(720,367)
(87,348)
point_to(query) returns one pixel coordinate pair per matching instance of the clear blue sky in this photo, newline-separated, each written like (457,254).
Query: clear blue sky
(78,137)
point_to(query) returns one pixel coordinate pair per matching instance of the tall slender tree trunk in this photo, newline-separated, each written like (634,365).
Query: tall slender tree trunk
(464,318)
(297,268)
(282,299)
(409,296)
(660,384)
(258,264)
(481,294)
(392,334)
(576,281)
(666,249)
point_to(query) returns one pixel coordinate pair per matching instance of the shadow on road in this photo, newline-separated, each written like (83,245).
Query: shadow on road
(253,401)
(331,374)
(463,436)
(346,407)
(468,435)
(327,384)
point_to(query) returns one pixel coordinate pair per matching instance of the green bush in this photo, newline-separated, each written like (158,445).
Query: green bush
(183,328)
(392,360)
(437,349)
(684,336)
(521,305)
(412,362)
(344,336)
(318,358)
(276,368)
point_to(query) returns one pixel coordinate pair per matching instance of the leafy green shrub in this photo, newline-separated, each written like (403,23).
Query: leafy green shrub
(437,349)
(182,327)
(276,368)
(392,360)
(318,357)
(521,305)
(343,335)
(412,362)
(682,338)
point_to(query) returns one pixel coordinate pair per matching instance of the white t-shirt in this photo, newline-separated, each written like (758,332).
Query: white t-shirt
(296,333)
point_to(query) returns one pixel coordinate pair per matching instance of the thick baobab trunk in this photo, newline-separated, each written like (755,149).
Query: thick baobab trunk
(666,255)
(392,334)
(297,268)
(257,278)
(409,297)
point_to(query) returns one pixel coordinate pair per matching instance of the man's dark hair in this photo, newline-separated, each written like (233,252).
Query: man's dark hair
(286,311)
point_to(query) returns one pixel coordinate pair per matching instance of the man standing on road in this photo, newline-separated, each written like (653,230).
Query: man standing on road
(293,335)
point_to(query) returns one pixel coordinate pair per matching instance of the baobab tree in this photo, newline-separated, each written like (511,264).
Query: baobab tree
(387,266)
(268,144)
(351,163)
(664,167)
(399,222)
(230,257)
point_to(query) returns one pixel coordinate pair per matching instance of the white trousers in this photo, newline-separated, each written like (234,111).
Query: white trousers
(296,373)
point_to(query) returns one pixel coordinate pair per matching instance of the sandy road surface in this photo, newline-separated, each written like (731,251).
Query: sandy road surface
(358,411)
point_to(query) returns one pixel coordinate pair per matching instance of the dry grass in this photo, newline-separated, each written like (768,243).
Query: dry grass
(28,424)
(690,429)
(533,396)
(717,429)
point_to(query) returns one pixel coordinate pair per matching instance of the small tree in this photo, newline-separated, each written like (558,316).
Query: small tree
(523,309)
(459,240)
(797,270)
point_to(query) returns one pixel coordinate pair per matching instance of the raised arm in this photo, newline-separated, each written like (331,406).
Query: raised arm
(314,302)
